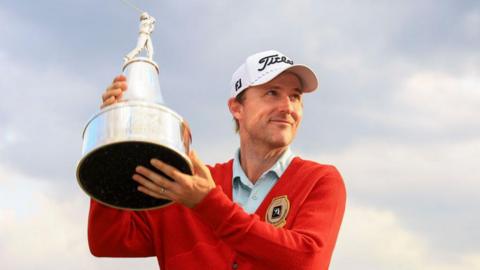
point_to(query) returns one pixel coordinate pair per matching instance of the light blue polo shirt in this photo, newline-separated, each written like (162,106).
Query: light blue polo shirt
(248,195)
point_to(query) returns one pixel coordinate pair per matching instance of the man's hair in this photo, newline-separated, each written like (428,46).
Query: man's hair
(239,98)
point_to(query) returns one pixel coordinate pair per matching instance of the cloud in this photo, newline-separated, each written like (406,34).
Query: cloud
(434,100)
(471,24)
(372,238)
(432,187)
(40,230)
(377,166)
(43,112)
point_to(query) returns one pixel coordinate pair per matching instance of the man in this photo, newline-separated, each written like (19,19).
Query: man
(265,209)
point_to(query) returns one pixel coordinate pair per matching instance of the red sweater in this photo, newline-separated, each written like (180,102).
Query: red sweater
(219,234)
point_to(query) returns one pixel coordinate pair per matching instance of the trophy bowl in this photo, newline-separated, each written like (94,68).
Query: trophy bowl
(123,136)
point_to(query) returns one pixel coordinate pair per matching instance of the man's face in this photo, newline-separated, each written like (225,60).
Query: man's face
(271,113)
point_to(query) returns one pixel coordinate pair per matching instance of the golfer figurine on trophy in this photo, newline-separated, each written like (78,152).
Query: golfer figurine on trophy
(147,24)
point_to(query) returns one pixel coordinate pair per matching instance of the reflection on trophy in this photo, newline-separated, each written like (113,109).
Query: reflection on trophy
(132,132)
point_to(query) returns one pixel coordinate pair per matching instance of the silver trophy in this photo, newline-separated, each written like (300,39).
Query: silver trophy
(132,132)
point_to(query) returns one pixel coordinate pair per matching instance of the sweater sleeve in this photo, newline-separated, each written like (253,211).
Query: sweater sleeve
(118,233)
(308,243)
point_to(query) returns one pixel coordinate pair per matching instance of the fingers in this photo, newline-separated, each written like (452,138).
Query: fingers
(114,91)
(108,102)
(185,189)
(152,193)
(156,181)
(118,85)
(120,78)
(170,171)
(150,188)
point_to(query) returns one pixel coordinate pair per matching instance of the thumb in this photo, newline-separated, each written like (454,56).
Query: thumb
(198,166)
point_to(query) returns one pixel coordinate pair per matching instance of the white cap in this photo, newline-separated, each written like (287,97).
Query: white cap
(264,66)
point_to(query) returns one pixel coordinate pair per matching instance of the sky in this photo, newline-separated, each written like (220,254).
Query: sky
(396,112)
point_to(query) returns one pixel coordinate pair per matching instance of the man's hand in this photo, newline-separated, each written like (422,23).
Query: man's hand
(114,91)
(186,189)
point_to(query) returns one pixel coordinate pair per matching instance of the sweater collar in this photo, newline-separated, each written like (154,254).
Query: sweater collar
(277,169)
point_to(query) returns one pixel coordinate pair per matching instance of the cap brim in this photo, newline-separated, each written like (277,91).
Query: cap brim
(307,76)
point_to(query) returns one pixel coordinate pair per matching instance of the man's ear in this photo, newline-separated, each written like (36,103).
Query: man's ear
(235,108)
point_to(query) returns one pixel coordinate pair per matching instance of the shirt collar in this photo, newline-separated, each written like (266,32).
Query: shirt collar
(277,169)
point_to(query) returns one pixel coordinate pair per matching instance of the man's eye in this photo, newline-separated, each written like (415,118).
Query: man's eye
(295,97)
(271,93)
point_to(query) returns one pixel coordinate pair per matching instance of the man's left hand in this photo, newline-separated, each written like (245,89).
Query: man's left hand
(186,189)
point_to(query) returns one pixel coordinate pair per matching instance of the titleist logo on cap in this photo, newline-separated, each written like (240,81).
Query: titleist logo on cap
(263,67)
(273,59)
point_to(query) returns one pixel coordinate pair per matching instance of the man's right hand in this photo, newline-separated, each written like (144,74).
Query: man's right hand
(114,91)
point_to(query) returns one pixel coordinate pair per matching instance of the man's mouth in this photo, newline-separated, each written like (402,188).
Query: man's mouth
(282,121)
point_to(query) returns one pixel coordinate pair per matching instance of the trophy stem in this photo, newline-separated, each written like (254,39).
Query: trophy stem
(143,81)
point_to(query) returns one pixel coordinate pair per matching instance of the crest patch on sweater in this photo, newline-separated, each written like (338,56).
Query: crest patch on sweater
(277,211)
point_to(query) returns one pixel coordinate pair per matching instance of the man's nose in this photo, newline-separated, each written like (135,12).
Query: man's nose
(286,104)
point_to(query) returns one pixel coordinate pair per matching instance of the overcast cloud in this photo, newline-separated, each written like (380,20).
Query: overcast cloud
(397,113)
